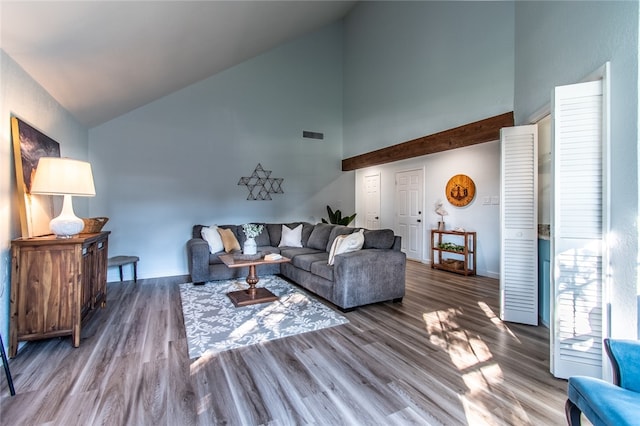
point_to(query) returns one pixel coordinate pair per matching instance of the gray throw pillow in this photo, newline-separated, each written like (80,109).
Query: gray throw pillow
(275,233)
(320,236)
(196,231)
(378,239)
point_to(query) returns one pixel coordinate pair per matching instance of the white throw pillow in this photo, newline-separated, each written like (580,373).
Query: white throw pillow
(211,235)
(291,237)
(346,244)
(334,247)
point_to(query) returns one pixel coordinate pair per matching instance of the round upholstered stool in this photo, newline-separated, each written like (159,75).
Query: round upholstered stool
(120,261)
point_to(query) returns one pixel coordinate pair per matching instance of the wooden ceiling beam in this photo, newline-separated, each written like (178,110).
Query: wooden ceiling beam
(486,130)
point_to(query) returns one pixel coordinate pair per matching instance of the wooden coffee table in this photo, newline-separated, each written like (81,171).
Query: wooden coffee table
(253,294)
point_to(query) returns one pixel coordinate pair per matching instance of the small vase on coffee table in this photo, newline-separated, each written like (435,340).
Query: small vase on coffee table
(250,246)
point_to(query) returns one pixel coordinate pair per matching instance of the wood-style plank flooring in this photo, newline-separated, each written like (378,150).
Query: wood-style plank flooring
(441,357)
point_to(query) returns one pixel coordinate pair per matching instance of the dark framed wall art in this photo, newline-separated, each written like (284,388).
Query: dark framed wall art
(29,145)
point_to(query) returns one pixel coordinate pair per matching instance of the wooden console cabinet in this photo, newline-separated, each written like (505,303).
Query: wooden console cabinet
(54,284)
(454,251)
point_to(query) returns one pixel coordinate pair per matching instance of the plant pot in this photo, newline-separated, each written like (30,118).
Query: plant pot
(440,226)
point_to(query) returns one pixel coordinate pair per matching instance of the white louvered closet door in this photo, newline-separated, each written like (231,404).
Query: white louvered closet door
(519,224)
(578,223)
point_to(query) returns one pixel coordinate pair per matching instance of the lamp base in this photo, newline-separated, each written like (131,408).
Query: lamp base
(66,227)
(67,224)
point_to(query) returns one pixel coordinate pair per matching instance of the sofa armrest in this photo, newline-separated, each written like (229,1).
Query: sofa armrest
(369,276)
(198,259)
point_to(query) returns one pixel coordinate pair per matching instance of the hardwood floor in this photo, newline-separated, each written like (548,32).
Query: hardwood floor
(440,357)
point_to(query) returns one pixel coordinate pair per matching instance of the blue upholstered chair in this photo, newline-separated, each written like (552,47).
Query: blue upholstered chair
(604,403)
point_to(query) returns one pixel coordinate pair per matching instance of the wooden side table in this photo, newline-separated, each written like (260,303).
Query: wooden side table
(120,261)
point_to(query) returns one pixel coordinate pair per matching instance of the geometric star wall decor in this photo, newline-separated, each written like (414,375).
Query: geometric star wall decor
(261,185)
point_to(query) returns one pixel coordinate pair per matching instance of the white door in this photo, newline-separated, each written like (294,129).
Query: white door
(409,204)
(519,224)
(579,224)
(372,201)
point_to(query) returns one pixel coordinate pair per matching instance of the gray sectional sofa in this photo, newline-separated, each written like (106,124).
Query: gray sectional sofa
(375,273)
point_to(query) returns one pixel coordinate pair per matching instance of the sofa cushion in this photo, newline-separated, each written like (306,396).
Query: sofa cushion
(335,231)
(275,232)
(320,236)
(268,249)
(291,237)
(346,244)
(292,252)
(602,402)
(211,235)
(229,240)
(378,239)
(306,233)
(263,239)
(304,261)
(196,231)
(322,269)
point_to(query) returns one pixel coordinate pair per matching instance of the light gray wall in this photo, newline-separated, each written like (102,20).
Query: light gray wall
(560,43)
(417,68)
(22,97)
(177,161)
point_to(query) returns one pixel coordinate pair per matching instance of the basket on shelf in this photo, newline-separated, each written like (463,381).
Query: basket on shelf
(93,225)
(454,263)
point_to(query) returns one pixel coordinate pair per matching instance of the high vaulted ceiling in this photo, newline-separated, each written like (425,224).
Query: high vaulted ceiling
(101,59)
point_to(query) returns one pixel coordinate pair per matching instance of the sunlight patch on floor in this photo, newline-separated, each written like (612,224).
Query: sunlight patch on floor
(204,404)
(444,331)
(495,320)
(483,378)
(475,415)
(243,329)
(479,371)
(200,363)
(477,412)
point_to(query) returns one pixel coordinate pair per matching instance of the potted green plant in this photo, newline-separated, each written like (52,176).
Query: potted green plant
(336,217)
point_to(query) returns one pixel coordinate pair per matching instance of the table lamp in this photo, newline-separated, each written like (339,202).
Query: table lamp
(66,177)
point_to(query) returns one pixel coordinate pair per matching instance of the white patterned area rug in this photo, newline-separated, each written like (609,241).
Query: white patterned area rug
(214,324)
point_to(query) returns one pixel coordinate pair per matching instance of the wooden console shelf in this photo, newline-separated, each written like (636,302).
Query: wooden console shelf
(461,261)
(54,284)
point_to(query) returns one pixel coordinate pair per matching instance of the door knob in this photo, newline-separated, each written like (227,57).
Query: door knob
(377,218)
(419,221)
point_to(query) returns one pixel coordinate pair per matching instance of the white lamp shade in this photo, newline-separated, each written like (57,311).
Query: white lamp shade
(63,176)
